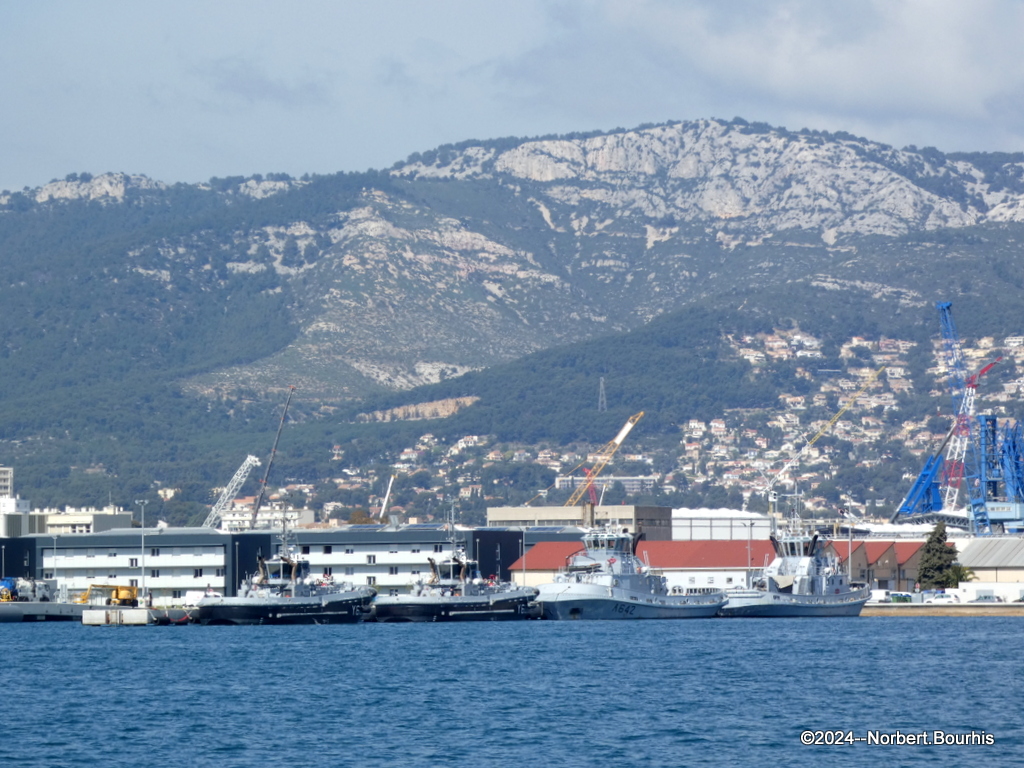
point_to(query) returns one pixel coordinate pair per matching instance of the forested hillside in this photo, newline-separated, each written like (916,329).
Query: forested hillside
(151,331)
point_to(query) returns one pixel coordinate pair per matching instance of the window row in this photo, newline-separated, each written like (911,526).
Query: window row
(328,549)
(197,573)
(153,552)
(350,570)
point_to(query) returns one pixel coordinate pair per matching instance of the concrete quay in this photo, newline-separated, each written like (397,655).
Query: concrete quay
(943,609)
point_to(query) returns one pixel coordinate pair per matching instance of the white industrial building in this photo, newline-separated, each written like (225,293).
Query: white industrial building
(719,524)
(169,562)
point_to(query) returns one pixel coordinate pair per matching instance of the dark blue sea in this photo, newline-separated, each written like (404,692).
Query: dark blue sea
(655,693)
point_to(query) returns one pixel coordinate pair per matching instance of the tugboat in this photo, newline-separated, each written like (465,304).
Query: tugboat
(284,592)
(608,581)
(802,580)
(457,592)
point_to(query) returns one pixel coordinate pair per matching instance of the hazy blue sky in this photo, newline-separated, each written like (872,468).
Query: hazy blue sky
(182,91)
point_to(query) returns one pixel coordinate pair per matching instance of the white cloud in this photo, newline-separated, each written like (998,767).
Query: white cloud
(249,81)
(189,90)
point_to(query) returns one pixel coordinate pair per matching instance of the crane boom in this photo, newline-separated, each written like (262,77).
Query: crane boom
(387,496)
(230,491)
(924,495)
(590,488)
(826,428)
(962,457)
(270,462)
(604,457)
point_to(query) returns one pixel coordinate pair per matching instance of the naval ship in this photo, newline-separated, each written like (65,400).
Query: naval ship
(802,580)
(608,581)
(457,592)
(283,592)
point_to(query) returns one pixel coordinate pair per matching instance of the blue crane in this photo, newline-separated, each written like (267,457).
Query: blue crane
(938,484)
(925,494)
(1011,461)
(962,459)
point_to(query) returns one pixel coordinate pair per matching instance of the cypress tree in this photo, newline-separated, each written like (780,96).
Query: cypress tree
(936,559)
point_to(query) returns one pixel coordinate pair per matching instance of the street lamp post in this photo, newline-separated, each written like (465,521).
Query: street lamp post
(3,560)
(849,552)
(54,537)
(749,525)
(142,560)
(750,533)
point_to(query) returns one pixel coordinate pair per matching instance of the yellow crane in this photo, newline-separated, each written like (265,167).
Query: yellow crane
(603,458)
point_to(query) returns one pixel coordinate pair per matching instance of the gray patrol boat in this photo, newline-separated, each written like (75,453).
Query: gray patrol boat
(284,592)
(802,580)
(608,581)
(457,592)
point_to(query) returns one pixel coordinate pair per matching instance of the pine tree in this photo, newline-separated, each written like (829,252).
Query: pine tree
(936,559)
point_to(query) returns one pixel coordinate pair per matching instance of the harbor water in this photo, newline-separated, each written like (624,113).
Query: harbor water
(643,693)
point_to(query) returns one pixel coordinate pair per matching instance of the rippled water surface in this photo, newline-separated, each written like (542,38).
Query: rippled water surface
(656,693)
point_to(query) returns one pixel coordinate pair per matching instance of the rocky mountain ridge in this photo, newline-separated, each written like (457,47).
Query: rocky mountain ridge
(768,180)
(469,255)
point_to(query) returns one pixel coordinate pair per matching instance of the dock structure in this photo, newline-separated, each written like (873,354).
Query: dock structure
(943,609)
(106,617)
(17,611)
(137,617)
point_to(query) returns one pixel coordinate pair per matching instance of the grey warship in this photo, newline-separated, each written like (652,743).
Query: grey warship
(457,592)
(283,592)
(608,581)
(802,580)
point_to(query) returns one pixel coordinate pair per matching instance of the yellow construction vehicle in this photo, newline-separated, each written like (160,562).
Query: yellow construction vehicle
(118,595)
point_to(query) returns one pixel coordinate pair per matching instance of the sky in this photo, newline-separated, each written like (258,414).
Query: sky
(189,90)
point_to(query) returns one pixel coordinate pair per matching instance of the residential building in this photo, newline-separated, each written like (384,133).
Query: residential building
(238,517)
(16,518)
(86,519)
(634,484)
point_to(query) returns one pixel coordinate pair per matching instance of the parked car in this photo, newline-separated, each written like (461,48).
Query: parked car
(901,597)
(987,599)
(942,597)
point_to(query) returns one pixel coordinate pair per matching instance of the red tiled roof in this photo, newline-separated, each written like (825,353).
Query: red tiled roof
(552,555)
(876,550)
(873,550)
(548,555)
(705,554)
(843,549)
(906,550)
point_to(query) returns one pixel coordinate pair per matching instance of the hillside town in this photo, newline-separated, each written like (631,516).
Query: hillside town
(843,422)
(742,453)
